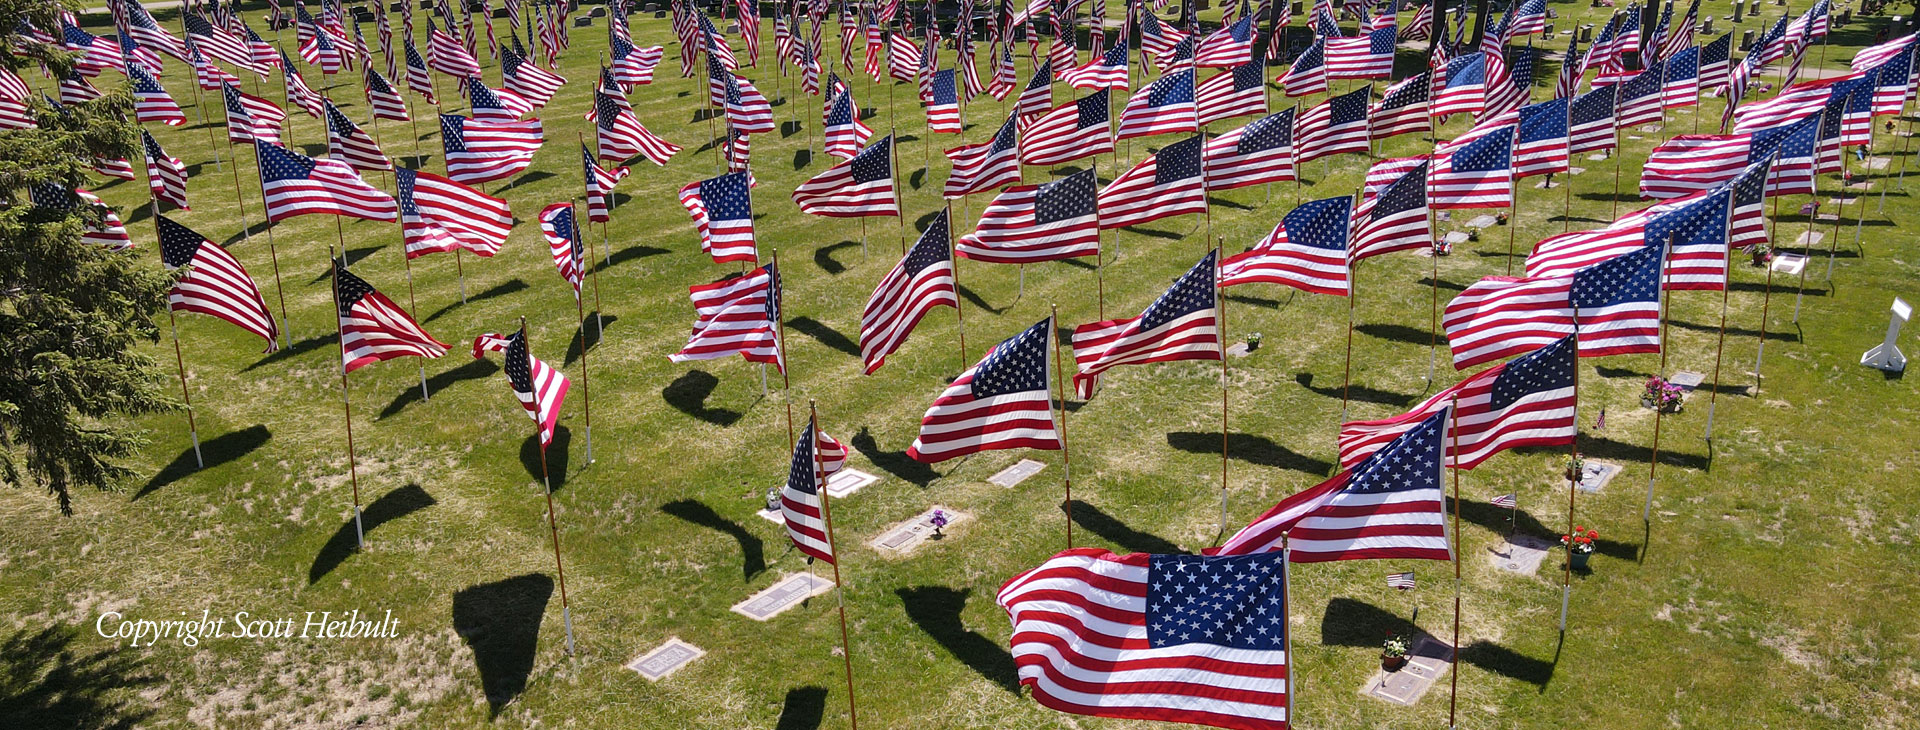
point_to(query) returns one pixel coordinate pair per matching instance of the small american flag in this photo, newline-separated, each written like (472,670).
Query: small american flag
(987,166)
(250,117)
(1639,99)
(1180,638)
(295,184)
(1003,79)
(1075,130)
(1231,45)
(1366,56)
(859,187)
(1046,222)
(166,174)
(74,89)
(1261,152)
(1106,71)
(494,105)
(1156,39)
(1388,506)
(1402,581)
(142,26)
(1590,121)
(446,55)
(845,133)
(1002,402)
(620,135)
(151,102)
(479,151)
(1165,184)
(1681,87)
(746,108)
(1395,220)
(903,58)
(1541,139)
(439,215)
(1308,74)
(349,143)
(1464,87)
(538,386)
(1164,107)
(372,327)
(942,101)
(386,103)
(1037,97)
(722,211)
(1716,62)
(536,85)
(803,502)
(921,281)
(1696,234)
(108,233)
(634,66)
(419,78)
(1475,171)
(216,284)
(1335,126)
(562,232)
(1527,401)
(1239,92)
(1307,251)
(1183,324)
(600,182)
(737,314)
(218,43)
(317,45)
(1403,110)
(1509,500)
(299,94)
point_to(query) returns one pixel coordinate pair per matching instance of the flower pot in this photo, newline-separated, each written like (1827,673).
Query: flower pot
(1761,259)
(1578,559)
(1573,475)
(1392,663)
(1646,402)
(1253,345)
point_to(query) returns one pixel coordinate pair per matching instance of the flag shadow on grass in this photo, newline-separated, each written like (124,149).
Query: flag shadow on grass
(823,256)
(824,335)
(390,506)
(1351,622)
(1427,281)
(352,256)
(53,683)
(803,708)
(1257,450)
(218,450)
(753,558)
(589,332)
(1114,531)
(1396,333)
(974,299)
(500,621)
(556,456)
(896,463)
(498,290)
(1621,452)
(527,179)
(473,370)
(688,394)
(296,349)
(259,228)
(1486,515)
(630,253)
(936,610)
(1733,331)
(1358,393)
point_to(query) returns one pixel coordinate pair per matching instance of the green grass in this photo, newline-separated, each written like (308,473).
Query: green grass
(1771,588)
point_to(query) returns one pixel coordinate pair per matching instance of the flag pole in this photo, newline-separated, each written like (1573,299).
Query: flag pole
(413,119)
(1573,476)
(1059,381)
(1814,216)
(346,399)
(1346,378)
(839,588)
(605,237)
(1220,316)
(1433,313)
(1453,445)
(780,343)
(185,396)
(1726,285)
(246,234)
(900,212)
(580,311)
(1766,301)
(959,313)
(1286,627)
(1653,457)
(553,525)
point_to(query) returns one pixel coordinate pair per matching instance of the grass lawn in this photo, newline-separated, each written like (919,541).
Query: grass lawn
(1772,587)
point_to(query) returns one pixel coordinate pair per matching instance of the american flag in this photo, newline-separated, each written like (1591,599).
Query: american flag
(737,314)
(942,100)
(1003,79)
(439,215)
(1165,184)
(1075,130)
(859,187)
(1590,121)
(1892,80)
(600,182)
(1567,82)
(562,232)
(1716,61)
(1183,324)
(295,184)
(1106,71)
(1164,107)
(1308,74)
(95,53)
(1402,581)
(166,174)
(1528,401)
(348,143)
(446,55)
(480,151)
(372,327)
(1474,171)
(1422,26)
(494,105)
(138,55)
(1464,88)
(1563,255)
(299,95)
(1404,108)
(1681,87)
(1179,637)
(536,85)
(1612,58)
(1508,87)
(74,89)
(419,78)
(539,387)
(1540,139)
(1335,126)
(108,233)
(1367,56)
(1692,163)
(1674,38)
(1037,97)
(1157,39)
(903,58)
(1060,49)
(634,66)
(216,284)
(317,45)
(118,168)
(803,501)
(619,134)
(845,133)
(219,44)
(1395,220)
(1389,506)
(921,281)
(1002,402)
(1616,303)
(1306,251)
(143,28)
(1261,152)
(385,102)
(722,211)
(1227,47)
(1749,220)
(1876,55)
(1046,222)
(987,166)
(1241,91)
(1696,235)
(1639,99)
(1793,104)
(151,102)
(747,109)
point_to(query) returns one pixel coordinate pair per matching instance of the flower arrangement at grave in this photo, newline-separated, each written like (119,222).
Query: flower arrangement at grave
(1442,247)
(1393,652)
(1253,341)
(1761,252)
(1579,546)
(1500,218)
(1663,396)
(938,520)
(1576,469)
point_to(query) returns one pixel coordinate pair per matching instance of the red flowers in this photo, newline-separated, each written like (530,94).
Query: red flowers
(1581,541)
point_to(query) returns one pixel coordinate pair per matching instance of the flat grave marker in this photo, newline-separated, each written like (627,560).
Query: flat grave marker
(668,658)
(1483,221)
(1791,263)
(1687,379)
(1457,237)
(1012,476)
(1520,554)
(842,484)
(904,538)
(1427,661)
(782,595)
(1594,475)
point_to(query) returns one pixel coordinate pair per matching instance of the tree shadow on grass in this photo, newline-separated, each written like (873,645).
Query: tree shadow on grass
(217,450)
(589,333)
(46,682)
(802,709)
(936,610)
(473,370)
(1357,393)
(390,506)
(823,256)
(498,290)
(500,621)
(896,463)
(752,551)
(688,394)
(1114,531)
(556,456)
(1396,333)
(1258,450)
(824,335)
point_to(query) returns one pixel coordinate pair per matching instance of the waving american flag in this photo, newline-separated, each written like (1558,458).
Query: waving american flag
(921,281)
(1002,402)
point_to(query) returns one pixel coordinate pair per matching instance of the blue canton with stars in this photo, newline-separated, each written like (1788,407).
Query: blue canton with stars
(278,163)
(404,180)
(1177,161)
(234,107)
(1073,196)
(561,221)
(1409,462)
(1173,88)
(1237,601)
(143,82)
(518,366)
(178,244)
(1042,76)
(1414,93)
(773,294)
(1092,110)
(1543,121)
(1793,141)
(840,111)
(1719,51)
(348,287)
(1750,186)
(1547,369)
(1592,107)
(453,132)
(1350,108)
(1250,75)
(1380,42)
(338,122)
(1645,84)
(727,197)
(1115,57)
(1624,279)
(1702,221)
(1491,152)
(931,248)
(1407,193)
(1315,57)
(1320,223)
(944,92)
(1469,70)
(1018,365)
(1270,132)
(1684,66)
(1193,292)
(802,472)
(1005,139)
(875,162)
(482,97)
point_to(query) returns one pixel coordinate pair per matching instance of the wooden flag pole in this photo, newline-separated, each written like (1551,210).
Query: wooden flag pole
(1433,314)
(1513,220)
(1616,152)
(900,211)
(1286,633)
(780,343)
(553,524)
(1059,381)
(1346,378)
(605,237)
(346,399)
(1839,212)
(839,588)
(1573,476)
(185,396)
(1726,285)
(247,235)
(1807,248)
(1220,317)
(1452,444)
(959,314)
(1653,457)
(413,119)
(1766,301)
(580,312)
